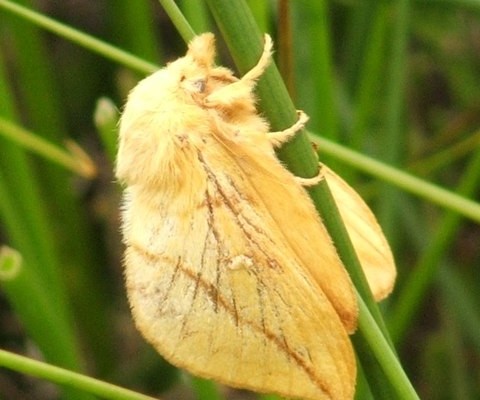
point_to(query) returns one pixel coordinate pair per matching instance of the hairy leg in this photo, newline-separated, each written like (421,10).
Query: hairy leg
(280,137)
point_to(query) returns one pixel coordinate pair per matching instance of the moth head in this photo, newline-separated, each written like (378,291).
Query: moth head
(189,74)
(196,74)
(165,105)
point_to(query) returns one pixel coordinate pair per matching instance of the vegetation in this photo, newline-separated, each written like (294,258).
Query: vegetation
(392,92)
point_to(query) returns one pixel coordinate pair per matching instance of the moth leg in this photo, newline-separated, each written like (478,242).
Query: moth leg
(242,88)
(279,137)
(308,182)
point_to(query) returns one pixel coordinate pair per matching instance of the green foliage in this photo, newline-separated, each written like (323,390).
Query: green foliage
(391,89)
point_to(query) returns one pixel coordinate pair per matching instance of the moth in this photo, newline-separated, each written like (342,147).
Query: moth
(229,271)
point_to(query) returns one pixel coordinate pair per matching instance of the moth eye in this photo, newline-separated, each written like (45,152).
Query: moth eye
(199,85)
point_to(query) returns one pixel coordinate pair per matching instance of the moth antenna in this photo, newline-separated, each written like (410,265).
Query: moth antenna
(202,49)
(263,62)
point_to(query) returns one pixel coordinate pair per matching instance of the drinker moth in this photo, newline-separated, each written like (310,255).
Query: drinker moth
(230,272)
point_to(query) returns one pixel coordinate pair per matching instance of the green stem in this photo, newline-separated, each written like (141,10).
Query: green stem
(315,75)
(415,288)
(392,142)
(376,371)
(67,378)
(196,13)
(106,121)
(453,284)
(205,389)
(42,147)
(178,19)
(371,67)
(245,43)
(47,328)
(133,28)
(332,220)
(427,190)
(80,38)
(384,354)
(42,108)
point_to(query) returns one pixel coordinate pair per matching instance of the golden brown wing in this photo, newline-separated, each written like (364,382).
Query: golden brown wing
(219,292)
(293,215)
(367,237)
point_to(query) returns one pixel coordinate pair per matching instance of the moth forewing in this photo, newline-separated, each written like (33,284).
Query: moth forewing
(260,324)
(294,216)
(367,237)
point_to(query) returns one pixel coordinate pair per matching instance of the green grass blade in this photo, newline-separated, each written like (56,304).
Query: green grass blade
(392,139)
(205,389)
(245,42)
(414,289)
(106,119)
(243,39)
(458,295)
(80,38)
(385,355)
(178,19)
(196,13)
(370,77)
(28,140)
(132,28)
(47,328)
(315,75)
(56,207)
(67,378)
(422,188)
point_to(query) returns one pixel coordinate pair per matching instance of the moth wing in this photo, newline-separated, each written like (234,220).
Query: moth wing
(312,242)
(367,237)
(217,292)
(294,214)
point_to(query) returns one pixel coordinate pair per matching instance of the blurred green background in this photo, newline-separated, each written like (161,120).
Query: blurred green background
(398,81)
